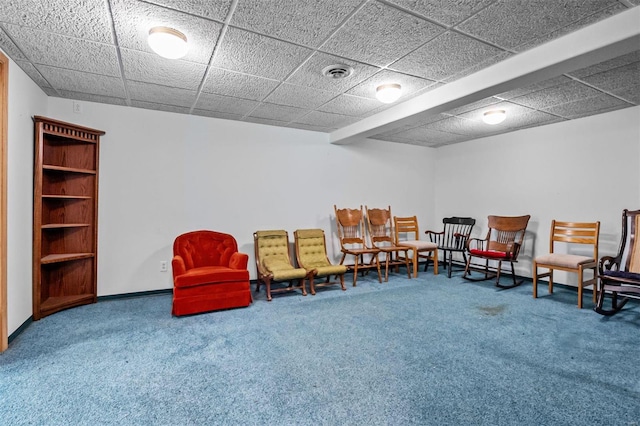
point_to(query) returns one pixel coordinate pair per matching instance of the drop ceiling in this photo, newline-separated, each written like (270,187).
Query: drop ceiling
(261,61)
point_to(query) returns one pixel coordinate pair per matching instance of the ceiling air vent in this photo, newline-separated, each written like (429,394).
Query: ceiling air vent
(337,71)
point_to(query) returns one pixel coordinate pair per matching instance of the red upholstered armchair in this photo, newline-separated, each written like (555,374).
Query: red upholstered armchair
(208,273)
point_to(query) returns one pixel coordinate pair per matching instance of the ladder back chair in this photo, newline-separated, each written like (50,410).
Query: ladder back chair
(381,234)
(350,223)
(407,234)
(571,235)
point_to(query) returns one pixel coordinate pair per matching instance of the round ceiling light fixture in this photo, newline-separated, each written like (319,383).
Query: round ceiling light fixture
(494,116)
(167,42)
(388,93)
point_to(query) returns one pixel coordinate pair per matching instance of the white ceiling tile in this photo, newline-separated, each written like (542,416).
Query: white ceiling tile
(65,52)
(216,9)
(226,104)
(448,54)
(629,93)
(518,116)
(306,22)
(86,19)
(616,79)
(33,73)
(217,114)
(556,95)
(410,84)
(474,106)
(556,81)
(77,81)
(266,121)
(481,64)
(350,105)
(607,65)
(151,68)
(230,83)
(584,107)
(160,107)
(379,35)
(134,19)
(463,126)
(311,127)
(609,11)
(154,93)
(254,54)
(509,23)
(10,48)
(299,96)
(310,74)
(278,112)
(92,98)
(447,12)
(326,119)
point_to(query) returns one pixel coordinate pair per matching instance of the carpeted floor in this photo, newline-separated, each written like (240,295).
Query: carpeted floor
(426,351)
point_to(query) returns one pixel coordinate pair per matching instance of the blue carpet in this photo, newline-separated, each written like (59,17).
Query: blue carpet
(426,351)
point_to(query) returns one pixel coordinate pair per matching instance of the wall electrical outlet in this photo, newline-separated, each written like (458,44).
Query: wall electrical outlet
(77,107)
(164,266)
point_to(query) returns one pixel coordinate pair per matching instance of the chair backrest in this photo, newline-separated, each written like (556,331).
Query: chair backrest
(311,249)
(586,233)
(455,233)
(350,224)
(406,226)
(205,248)
(506,233)
(629,251)
(379,225)
(271,246)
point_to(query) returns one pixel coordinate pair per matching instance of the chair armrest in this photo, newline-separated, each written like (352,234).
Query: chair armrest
(239,261)
(435,237)
(476,243)
(608,263)
(513,248)
(177,265)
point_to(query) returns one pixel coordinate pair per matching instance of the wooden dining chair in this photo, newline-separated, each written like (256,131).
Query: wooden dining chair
(381,235)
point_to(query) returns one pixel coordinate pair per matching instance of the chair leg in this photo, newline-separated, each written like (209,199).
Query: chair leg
(355,270)
(312,286)
(415,263)
(406,263)
(378,267)
(267,283)
(434,254)
(535,279)
(342,282)
(450,263)
(303,286)
(386,267)
(579,288)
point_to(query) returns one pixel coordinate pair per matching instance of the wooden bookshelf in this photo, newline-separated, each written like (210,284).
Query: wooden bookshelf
(65,216)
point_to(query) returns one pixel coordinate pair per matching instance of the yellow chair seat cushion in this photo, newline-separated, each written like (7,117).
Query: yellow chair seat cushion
(281,269)
(323,271)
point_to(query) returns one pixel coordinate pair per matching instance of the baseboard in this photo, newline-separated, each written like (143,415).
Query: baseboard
(135,294)
(20,329)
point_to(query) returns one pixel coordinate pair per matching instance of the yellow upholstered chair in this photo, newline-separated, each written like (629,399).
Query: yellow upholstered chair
(350,223)
(381,235)
(407,234)
(273,262)
(311,254)
(570,235)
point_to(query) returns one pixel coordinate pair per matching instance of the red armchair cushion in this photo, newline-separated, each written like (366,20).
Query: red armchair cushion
(491,254)
(210,274)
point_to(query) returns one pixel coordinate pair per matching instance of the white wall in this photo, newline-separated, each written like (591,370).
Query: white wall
(162,174)
(25,101)
(579,170)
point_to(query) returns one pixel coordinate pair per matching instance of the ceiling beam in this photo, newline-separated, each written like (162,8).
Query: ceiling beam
(604,40)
